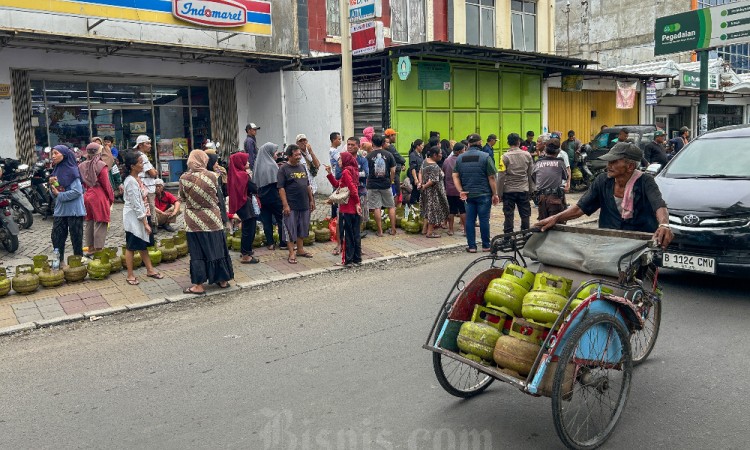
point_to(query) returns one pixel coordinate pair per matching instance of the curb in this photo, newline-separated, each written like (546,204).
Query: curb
(14,329)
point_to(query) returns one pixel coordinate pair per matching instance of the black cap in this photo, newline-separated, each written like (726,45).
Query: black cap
(474,138)
(623,150)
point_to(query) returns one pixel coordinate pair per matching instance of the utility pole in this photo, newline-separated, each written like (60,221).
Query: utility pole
(347,95)
(703,104)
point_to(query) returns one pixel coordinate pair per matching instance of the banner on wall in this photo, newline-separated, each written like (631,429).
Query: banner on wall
(367,37)
(651,94)
(626,92)
(434,76)
(572,83)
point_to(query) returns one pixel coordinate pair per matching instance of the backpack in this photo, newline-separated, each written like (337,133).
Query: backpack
(380,166)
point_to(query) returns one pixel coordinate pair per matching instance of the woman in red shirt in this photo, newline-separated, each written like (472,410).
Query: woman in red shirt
(350,212)
(97,199)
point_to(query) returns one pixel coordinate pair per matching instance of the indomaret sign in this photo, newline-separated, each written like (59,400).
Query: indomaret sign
(703,28)
(222,13)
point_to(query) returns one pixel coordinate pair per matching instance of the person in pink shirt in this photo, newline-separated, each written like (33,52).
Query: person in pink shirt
(456,206)
(97,199)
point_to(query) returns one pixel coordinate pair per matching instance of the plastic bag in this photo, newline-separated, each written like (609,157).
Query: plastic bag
(333,227)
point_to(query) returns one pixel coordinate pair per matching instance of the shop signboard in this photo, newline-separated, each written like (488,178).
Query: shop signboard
(703,28)
(367,37)
(651,94)
(572,83)
(690,79)
(433,76)
(4,91)
(360,10)
(213,13)
(404,68)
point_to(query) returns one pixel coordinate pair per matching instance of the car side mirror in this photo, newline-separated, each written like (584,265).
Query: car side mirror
(653,169)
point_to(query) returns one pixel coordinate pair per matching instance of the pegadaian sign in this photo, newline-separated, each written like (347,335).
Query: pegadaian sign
(703,28)
(214,13)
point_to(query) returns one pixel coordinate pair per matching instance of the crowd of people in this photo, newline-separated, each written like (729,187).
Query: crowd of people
(444,180)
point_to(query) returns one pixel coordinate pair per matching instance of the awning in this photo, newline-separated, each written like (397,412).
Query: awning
(550,65)
(102,47)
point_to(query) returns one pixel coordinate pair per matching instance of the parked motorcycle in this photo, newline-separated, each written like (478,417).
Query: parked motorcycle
(8,226)
(13,172)
(38,192)
(581,175)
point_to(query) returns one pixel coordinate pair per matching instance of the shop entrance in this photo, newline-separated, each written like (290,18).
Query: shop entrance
(124,123)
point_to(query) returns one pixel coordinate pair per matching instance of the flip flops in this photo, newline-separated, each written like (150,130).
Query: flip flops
(305,255)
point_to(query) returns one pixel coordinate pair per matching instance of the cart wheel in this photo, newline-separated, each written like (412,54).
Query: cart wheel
(592,382)
(643,341)
(457,378)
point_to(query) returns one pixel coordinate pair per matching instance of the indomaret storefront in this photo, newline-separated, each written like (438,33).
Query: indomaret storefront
(72,69)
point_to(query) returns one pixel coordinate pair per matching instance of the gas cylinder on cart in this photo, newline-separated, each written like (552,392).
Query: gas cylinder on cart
(545,302)
(478,339)
(587,292)
(518,350)
(507,292)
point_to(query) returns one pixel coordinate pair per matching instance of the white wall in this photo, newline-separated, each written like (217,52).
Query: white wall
(259,102)
(313,108)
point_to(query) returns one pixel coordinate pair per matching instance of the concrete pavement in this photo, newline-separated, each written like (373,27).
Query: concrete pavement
(82,300)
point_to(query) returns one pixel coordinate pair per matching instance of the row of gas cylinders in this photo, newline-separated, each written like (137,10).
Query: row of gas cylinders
(519,311)
(29,277)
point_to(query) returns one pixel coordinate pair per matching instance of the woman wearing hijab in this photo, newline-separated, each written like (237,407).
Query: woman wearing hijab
(209,256)
(350,213)
(241,191)
(135,217)
(98,198)
(66,187)
(266,171)
(221,173)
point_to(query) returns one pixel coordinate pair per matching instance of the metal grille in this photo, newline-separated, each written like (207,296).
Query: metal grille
(368,104)
(223,107)
(21,86)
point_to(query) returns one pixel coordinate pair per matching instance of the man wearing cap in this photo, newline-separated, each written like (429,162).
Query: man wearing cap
(167,207)
(251,147)
(474,179)
(148,175)
(309,160)
(654,151)
(680,141)
(390,133)
(626,199)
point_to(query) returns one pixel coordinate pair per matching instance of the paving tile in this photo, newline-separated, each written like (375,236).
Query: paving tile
(47,301)
(24,306)
(53,314)
(89,294)
(93,300)
(29,317)
(50,308)
(8,322)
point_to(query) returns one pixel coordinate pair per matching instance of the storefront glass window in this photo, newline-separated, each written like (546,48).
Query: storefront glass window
(201,126)
(173,139)
(171,96)
(199,95)
(38,118)
(119,94)
(68,125)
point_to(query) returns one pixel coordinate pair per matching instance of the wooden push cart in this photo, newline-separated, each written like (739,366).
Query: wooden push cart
(586,359)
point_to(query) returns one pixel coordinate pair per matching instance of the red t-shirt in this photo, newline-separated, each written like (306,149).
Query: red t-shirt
(165,201)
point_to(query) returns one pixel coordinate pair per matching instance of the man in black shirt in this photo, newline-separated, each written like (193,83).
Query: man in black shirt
(626,199)
(654,150)
(382,172)
(390,133)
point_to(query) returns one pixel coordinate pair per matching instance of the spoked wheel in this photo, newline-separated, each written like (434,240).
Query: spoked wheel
(643,341)
(592,382)
(457,378)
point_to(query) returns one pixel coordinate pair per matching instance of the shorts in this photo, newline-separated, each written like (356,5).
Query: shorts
(380,198)
(456,205)
(297,224)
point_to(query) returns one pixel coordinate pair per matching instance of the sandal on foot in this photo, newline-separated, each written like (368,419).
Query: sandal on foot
(337,251)
(271,247)
(392,232)
(471,250)
(133,282)
(156,275)
(223,286)
(291,260)
(449,233)
(305,255)
(433,235)
(189,290)
(252,260)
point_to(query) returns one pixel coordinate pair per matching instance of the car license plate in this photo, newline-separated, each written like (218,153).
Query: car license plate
(689,262)
(24,184)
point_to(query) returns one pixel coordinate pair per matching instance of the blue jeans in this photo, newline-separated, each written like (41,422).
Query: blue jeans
(478,206)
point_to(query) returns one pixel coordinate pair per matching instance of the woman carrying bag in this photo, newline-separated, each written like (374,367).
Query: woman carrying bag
(350,213)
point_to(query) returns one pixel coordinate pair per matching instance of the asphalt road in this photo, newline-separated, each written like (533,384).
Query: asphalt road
(334,361)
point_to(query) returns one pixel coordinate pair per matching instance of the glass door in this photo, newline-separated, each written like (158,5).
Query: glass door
(135,122)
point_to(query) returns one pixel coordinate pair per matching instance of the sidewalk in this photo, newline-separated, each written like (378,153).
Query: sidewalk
(78,301)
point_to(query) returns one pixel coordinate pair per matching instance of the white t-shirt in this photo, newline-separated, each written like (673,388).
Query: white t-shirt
(149,182)
(564,156)
(313,184)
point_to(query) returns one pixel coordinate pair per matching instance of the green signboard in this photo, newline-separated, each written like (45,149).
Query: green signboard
(434,76)
(703,28)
